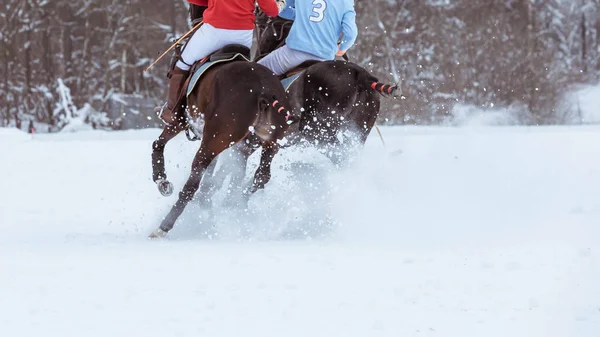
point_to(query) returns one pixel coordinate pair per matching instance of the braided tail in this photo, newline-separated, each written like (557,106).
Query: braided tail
(367,80)
(280,108)
(384,89)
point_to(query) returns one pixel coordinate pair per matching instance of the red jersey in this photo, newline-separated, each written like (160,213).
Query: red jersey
(235,14)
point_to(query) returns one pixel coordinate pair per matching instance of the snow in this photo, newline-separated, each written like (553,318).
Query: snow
(470,231)
(469,115)
(586,101)
(8,135)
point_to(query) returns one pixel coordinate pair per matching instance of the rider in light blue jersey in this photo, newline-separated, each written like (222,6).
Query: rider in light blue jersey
(315,32)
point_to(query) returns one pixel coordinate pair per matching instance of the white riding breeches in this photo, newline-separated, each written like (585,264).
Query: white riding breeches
(208,39)
(283,59)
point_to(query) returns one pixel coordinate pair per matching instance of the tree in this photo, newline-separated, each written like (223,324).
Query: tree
(523,54)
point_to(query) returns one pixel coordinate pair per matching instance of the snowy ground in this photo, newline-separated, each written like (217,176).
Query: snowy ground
(464,232)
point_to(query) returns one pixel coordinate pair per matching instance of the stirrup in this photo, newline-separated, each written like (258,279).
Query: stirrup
(159,112)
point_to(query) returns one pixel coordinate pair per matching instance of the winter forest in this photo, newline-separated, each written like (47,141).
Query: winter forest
(83,59)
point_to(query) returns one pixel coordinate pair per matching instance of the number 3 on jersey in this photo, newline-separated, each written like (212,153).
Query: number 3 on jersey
(318,10)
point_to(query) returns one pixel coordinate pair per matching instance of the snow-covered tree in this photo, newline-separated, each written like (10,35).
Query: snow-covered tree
(512,53)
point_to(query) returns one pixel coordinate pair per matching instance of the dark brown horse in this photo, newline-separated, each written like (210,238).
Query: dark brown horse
(329,98)
(237,100)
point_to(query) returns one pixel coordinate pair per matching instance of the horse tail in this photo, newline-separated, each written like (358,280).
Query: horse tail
(272,102)
(384,89)
(371,82)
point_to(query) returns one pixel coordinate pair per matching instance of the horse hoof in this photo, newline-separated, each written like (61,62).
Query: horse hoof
(165,187)
(157,234)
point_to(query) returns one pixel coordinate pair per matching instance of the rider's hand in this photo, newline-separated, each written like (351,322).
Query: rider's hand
(281,5)
(339,52)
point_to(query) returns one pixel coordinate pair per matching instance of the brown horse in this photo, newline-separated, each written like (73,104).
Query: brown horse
(329,98)
(238,100)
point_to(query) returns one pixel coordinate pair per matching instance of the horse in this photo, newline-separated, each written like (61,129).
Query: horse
(327,99)
(237,100)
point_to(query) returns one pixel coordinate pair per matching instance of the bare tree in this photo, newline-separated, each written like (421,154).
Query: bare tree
(489,53)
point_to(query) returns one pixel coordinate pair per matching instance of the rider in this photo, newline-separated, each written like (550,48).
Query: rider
(225,22)
(314,34)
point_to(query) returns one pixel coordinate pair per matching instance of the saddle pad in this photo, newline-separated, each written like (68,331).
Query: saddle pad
(288,81)
(198,73)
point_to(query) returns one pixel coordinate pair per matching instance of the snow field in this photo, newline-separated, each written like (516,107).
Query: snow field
(445,232)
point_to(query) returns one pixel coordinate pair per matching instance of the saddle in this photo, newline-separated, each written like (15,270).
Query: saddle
(229,53)
(288,78)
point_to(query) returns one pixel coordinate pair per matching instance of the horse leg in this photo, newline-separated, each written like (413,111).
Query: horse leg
(210,148)
(158,159)
(236,166)
(263,172)
(207,185)
(203,158)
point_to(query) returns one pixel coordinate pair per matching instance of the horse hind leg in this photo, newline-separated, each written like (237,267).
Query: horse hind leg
(208,186)
(209,149)
(263,172)
(234,165)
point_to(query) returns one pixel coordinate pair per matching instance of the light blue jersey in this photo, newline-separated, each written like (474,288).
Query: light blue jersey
(318,25)
(288,13)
